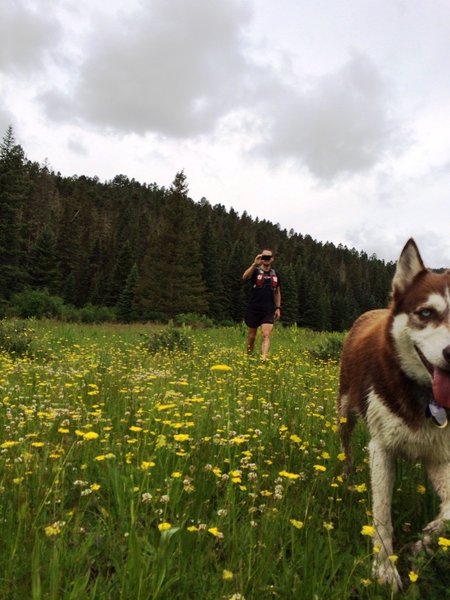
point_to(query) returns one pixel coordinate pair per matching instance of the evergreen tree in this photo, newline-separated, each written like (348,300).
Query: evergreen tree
(171,279)
(213,275)
(289,295)
(121,271)
(238,290)
(13,185)
(43,269)
(126,304)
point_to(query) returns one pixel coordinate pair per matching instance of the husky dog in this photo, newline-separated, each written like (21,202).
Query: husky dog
(395,374)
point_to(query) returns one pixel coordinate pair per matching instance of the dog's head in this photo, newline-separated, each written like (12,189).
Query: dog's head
(421,322)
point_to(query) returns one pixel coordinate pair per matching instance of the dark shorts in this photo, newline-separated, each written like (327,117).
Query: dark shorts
(254,320)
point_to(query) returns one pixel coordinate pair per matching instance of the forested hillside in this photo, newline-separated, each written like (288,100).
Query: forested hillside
(152,253)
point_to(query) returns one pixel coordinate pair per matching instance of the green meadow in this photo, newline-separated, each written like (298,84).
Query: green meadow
(190,473)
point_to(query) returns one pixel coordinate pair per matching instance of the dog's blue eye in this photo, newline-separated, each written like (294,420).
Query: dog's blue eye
(425,313)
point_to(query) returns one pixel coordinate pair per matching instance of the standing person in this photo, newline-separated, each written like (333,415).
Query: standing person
(264,306)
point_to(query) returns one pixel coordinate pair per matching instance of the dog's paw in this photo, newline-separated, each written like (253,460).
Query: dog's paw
(434,527)
(385,572)
(423,545)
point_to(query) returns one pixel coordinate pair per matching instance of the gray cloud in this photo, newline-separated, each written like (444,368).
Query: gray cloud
(340,124)
(173,68)
(26,33)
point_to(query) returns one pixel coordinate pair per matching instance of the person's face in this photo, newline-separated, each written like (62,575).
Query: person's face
(267,258)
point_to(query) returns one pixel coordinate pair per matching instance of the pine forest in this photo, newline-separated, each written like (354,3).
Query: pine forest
(142,252)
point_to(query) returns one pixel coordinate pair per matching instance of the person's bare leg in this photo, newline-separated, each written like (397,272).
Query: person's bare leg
(266,330)
(251,337)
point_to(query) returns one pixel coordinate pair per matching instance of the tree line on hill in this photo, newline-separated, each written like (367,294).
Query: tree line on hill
(151,253)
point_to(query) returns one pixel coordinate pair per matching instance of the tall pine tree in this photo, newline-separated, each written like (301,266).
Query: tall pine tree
(13,187)
(171,279)
(43,269)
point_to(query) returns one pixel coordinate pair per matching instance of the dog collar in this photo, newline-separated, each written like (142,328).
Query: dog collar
(438,414)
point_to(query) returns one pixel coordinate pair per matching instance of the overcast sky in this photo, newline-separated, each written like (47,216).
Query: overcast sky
(330,117)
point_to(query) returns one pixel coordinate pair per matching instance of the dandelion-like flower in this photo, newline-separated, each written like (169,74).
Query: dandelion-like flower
(54,529)
(297,524)
(368,530)
(221,368)
(288,475)
(215,532)
(227,575)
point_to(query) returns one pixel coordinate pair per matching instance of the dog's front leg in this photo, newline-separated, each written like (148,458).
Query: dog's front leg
(439,475)
(382,472)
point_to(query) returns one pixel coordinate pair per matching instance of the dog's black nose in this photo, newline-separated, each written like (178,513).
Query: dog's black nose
(446,353)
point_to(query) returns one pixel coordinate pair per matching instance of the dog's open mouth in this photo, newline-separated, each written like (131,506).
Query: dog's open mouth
(440,379)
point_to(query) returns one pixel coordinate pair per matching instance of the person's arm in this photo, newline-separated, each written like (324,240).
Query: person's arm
(248,272)
(277,297)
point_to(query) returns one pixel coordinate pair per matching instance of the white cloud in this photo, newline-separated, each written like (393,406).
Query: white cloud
(340,124)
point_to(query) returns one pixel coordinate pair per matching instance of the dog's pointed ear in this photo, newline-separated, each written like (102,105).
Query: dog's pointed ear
(409,265)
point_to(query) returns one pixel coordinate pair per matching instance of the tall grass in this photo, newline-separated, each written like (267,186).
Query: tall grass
(204,474)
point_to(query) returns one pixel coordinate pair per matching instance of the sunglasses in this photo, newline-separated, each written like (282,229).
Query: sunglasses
(266,257)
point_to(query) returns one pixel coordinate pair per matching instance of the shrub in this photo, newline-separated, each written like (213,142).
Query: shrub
(194,320)
(330,347)
(155,316)
(96,314)
(15,337)
(169,339)
(36,303)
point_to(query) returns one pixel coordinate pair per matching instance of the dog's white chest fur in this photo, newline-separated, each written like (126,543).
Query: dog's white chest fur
(429,443)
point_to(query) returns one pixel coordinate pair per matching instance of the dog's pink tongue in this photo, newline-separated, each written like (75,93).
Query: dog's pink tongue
(441,387)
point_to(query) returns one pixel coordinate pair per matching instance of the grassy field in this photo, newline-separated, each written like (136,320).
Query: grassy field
(129,474)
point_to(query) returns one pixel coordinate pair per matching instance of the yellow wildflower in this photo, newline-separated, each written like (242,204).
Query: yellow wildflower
(9,444)
(164,526)
(296,524)
(444,542)
(222,368)
(361,488)
(368,530)
(227,575)
(288,475)
(215,532)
